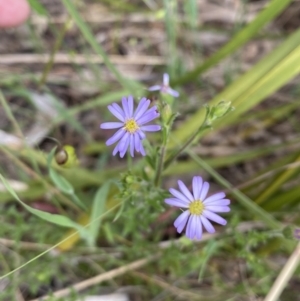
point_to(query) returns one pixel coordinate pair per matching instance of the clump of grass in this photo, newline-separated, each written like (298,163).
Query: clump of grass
(74,215)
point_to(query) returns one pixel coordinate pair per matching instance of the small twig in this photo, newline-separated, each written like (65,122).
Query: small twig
(241,228)
(80,59)
(24,244)
(171,288)
(100,278)
(284,276)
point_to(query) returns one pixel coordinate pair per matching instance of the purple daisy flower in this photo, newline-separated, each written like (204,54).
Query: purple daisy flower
(165,88)
(132,125)
(200,209)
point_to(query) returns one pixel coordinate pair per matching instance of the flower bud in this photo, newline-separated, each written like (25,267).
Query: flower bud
(291,232)
(218,111)
(166,113)
(66,157)
(222,108)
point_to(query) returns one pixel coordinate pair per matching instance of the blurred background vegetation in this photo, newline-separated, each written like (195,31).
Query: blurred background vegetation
(58,73)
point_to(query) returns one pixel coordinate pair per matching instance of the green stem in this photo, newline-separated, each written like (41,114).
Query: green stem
(57,46)
(160,166)
(243,199)
(184,146)
(16,126)
(10,115)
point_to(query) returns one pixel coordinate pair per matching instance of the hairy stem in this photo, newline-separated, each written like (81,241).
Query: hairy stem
(184,146)
(160,166)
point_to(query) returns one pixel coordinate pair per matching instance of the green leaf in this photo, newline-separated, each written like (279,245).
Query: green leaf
(97,210)
(51,156)
(38,7)
(52,218)
(60,182)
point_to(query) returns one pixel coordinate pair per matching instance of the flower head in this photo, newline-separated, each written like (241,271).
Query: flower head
(199,208)
(132,125)
(165,88)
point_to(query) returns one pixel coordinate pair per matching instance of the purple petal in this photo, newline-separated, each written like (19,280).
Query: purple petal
(122,154)
(118,108)
(214,217)
(137,142)
(132,145)
(125,107)
(218,208)
(142,150)
(207,225)
(117,136)
(166,79)
(185,191)
(141,134)
(148,116)
(223,202)
(176,203)
(204,191)
(181,221)
(154,108)
(154,88)
(198,228)
(111,125)
(130,105)
(116,112)
(214,197)
(191,227)
(172,92)
(197,186)
(142,108)
(116,149)
(124,143)
(151,128)
(179,195)
(120,146)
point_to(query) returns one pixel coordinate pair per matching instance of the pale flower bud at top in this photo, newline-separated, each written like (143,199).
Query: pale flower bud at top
(166,113)
(218,111)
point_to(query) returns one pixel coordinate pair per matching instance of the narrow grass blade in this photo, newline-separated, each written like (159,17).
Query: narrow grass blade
(263,79)
(273,9)
(277,183)
(86,32)
(97,210)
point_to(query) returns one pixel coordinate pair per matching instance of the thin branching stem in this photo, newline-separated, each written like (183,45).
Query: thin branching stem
(184,146)
(160,166)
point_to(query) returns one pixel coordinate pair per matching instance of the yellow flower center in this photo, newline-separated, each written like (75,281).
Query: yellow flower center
(196,207)
(131,126)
